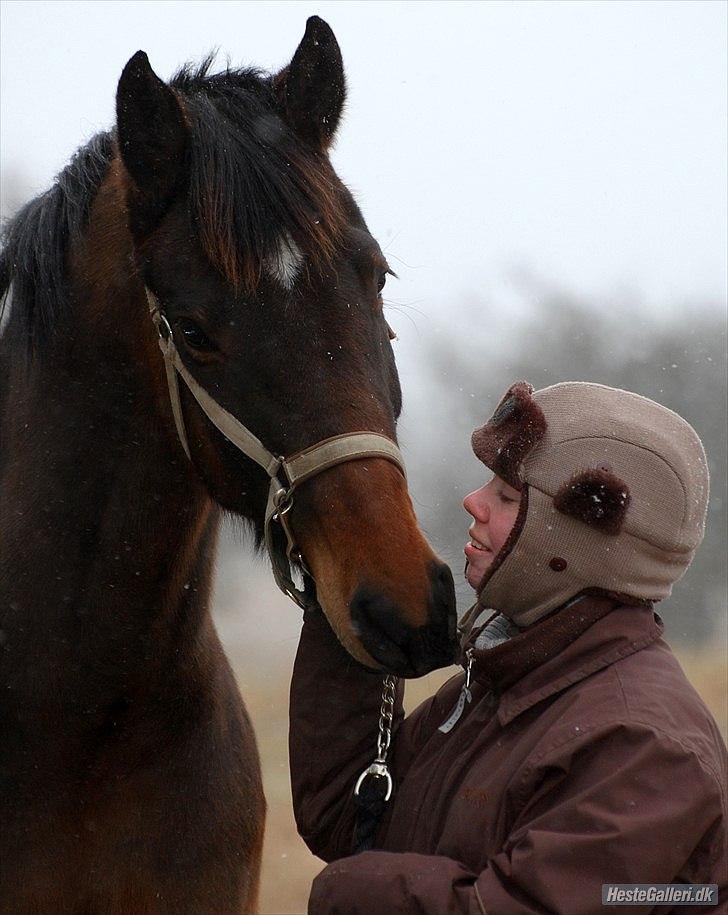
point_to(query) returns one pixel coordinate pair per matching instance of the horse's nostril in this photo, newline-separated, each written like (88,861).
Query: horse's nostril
(370,610)
(399,647)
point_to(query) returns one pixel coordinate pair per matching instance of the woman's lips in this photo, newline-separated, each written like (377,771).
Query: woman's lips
(474,550)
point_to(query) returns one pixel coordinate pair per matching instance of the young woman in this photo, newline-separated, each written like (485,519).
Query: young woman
(572,752)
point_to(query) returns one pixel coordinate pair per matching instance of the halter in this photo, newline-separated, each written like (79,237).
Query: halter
(296,469)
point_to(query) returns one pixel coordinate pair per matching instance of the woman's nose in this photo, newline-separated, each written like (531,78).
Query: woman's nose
(476,504)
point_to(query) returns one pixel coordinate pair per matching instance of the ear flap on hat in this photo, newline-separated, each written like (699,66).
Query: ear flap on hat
(517,425)
(596,497)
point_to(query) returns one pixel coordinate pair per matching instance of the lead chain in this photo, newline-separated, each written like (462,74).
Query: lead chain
(386,716)
(379,768)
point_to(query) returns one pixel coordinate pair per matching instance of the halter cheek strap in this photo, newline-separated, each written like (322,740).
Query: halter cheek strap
(295,469)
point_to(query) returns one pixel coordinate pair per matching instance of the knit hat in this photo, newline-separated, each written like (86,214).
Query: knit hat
(614,492)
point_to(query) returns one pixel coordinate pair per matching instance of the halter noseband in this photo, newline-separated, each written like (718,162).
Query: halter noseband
(297,468)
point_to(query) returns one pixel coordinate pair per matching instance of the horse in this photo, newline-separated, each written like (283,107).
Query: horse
(129,774)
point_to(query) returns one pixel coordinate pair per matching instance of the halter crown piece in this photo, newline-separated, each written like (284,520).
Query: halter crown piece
(295,469)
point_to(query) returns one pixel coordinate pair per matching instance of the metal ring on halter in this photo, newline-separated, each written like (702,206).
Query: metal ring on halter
(283,503)
(280,496)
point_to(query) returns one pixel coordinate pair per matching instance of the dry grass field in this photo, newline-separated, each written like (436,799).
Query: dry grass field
(288,866)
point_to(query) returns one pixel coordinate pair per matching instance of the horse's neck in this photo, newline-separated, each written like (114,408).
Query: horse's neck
(106,537)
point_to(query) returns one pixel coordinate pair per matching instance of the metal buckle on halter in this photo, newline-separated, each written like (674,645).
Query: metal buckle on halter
(283,503)
(161,323)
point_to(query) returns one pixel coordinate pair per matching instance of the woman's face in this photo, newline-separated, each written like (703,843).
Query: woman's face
(494,508)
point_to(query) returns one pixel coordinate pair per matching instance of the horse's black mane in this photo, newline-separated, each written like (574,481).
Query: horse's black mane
(35,241)
(251,182)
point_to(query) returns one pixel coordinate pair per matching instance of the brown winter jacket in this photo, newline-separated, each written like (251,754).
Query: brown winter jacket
(585,757)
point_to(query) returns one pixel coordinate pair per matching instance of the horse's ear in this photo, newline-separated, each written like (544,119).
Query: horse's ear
(152,135)
(311,89)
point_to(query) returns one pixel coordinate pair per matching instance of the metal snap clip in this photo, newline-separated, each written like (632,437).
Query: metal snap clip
(376,770)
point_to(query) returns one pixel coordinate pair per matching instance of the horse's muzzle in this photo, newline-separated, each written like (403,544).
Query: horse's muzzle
(402,649)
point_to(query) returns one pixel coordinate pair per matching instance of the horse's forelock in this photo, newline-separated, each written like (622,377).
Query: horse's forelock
(252,182)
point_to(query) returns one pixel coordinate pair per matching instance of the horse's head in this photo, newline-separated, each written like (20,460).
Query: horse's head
(272,286)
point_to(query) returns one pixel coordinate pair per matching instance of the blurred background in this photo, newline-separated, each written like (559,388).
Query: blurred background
(549,182)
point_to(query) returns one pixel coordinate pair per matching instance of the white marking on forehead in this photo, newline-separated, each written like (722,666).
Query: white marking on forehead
(285,262)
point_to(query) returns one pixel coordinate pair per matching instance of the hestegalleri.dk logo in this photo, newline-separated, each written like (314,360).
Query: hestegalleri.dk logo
(660,893)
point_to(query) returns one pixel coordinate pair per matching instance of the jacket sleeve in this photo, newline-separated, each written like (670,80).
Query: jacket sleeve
(628,807)
(334,720)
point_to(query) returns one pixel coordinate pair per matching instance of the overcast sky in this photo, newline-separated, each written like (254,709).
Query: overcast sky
(583,142)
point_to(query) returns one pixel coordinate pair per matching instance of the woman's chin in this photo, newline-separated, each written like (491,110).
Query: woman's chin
(478,564)
(474,574)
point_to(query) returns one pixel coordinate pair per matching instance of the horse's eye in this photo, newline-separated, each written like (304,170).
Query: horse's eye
(382,280)
(194,336)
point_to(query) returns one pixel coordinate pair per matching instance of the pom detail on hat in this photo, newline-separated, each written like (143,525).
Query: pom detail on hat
(517,425)
(596,497)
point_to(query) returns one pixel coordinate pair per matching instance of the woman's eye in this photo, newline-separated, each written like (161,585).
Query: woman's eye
(194,336)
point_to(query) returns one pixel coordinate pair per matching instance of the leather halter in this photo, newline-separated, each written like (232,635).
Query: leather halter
(295,469)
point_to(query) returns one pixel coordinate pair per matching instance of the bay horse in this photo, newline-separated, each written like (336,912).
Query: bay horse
(129,775)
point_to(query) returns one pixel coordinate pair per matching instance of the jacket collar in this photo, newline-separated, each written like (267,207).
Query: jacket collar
(562,649)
